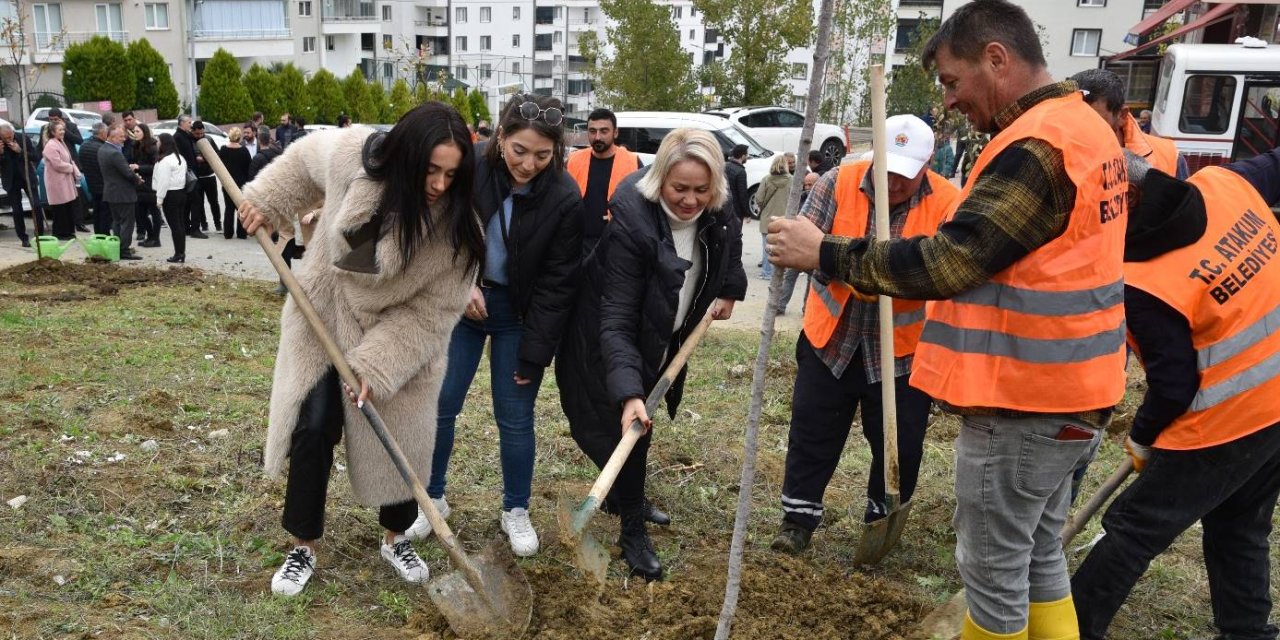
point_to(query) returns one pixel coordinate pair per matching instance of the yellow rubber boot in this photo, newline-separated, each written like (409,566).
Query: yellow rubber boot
(972,631)
(1053,620)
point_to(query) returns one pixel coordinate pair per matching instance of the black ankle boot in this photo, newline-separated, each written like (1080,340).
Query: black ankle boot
(651,513)
(637,548)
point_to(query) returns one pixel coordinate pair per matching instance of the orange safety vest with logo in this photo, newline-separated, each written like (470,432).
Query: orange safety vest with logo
(1160,153)
(579,165)
(825,307)
(1046,334)
(1228,291)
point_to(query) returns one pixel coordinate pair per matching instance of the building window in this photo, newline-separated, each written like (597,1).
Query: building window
(486,71)
(460,72)
(515,40)
(486,14)
(304,9)
(799,70)
(460,43)
(906,35)
(1091,3)
(556,37)
(328,43)
(388,70)
(157,15)
(460,15)
(691,36)
(486,43)
(387,42)
(366,44)
(386,13)
(515,68)
(1084,42)
(515,13)
(109,19)
(48,22)
(309,44)
(677,13)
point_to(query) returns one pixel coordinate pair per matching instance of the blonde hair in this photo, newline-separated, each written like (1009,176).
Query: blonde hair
(234,134)
(681,145)
(779,165)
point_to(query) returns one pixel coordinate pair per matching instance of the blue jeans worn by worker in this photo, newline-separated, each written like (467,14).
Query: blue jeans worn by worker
(1013,489)
(512,403)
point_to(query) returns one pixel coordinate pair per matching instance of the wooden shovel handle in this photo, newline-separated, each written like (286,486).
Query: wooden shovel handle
(888,395)
(300,299)
(1076,522)
(620,453)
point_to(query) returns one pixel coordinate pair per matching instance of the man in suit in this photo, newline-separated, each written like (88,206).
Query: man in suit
(119,188)
(93,175)
(185,141)
(18,158)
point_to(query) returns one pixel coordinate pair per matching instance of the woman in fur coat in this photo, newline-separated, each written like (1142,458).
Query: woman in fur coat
(393,261)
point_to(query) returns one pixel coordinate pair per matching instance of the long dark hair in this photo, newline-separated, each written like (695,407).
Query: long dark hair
(511,122)
(167,146)
(400,160)
(146,145)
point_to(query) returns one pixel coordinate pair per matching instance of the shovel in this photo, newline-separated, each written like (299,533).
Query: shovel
(944,623)
(487,596)
(590,556)
(879,537)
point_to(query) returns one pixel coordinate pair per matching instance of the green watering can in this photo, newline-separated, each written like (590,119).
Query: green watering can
(102,246)
(49,247)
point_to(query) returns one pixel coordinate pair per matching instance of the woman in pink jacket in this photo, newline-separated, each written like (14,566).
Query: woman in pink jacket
(61,182)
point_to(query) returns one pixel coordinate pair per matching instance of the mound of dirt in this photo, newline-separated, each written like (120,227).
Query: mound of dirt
(104,279)
(778,600)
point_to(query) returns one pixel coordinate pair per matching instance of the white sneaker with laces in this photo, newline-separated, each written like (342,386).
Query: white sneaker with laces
(401,555)
(296,571)
(421,527)
(516,524)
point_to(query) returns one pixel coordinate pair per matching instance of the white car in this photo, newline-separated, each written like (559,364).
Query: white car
(778,128)
(642,132)
(211,131)
(84,121)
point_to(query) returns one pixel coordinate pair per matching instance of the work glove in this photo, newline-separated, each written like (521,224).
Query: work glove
(1139,453)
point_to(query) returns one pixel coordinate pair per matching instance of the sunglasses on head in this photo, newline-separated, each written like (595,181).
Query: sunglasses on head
(531,111)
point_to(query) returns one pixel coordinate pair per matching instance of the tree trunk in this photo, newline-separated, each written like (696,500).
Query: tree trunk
(822,51)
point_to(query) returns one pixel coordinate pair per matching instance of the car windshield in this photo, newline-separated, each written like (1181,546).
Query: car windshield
(737,136)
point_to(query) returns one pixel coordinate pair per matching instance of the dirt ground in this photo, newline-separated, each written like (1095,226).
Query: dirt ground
(54,280)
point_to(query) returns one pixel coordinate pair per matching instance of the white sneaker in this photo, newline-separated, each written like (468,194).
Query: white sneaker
(421,527)
(516,524)
(408,564)
(293,576)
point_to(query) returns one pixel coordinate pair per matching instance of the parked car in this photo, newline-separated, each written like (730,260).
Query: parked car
(211,131)
(643,131)
(40,117)
(778,128)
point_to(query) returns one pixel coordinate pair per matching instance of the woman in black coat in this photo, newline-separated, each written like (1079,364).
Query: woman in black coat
(531,210)
(145,152)
(235,157)
(671,252)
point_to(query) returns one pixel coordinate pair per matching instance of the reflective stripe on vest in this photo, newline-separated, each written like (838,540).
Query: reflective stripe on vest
(579,166)
(1046,334)
(825,306)
(1224,284)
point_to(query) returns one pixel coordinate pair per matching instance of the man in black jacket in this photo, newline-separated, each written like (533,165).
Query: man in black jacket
(186,144)
(71,137)
(18,160)
(208,183)
(819,163)
(93,175)
(736,174)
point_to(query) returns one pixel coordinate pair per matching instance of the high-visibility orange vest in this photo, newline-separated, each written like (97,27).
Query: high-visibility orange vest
(1229,292)
(825,307)
(1046,334)
(579,165)
(1160,153)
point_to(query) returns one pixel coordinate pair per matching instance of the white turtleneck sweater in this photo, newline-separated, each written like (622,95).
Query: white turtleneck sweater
(684,233)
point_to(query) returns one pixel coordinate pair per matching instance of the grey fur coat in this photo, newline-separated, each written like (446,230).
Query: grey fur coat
(393,325)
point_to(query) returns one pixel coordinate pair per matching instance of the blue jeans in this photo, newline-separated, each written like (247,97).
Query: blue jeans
(512,403)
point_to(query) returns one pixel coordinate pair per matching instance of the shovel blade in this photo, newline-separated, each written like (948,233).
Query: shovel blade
(505,608)
(588,554)
(881,536)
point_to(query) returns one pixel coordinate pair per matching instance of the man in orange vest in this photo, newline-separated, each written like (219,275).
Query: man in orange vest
(1104,91)
(1201,296)
(1025,339)
(598,170)
(838,353)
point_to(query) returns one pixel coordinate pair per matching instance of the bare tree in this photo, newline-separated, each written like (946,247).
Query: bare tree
(821,53)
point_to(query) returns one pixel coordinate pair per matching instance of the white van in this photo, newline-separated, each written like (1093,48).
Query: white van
(1218,102)
(643,131)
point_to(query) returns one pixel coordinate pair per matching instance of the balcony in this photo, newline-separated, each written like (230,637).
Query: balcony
(247,28)
(49,42)
(432,24)
(347,17)
(583,25)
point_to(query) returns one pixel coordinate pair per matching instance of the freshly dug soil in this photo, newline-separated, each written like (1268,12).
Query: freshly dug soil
(65,281)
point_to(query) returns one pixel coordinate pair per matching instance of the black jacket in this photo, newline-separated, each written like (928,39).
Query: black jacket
(265,155)
(89,166)
(11,164)
(186,144)
(544,253)
(144,155)
(739,201)
(202,168)
(621,337)
(119,182)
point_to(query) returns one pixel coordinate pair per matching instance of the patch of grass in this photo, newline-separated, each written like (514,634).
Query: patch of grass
(180,541)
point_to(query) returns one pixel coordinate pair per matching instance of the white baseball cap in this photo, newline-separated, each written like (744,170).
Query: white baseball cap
(908,145)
